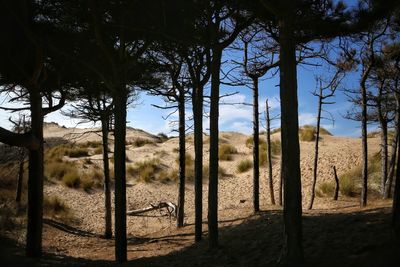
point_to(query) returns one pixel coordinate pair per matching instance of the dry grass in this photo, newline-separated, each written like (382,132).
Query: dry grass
(244,166)
(139,142)
(325,189)
(226,152)
(145,171)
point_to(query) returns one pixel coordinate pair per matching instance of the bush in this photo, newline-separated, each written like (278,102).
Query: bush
(307,134)
(249,143)
(347,186)
(162,137)
(72,179)
(325,189)
(57,169)
(92,144)
(244,165)
(53,205)
(145,171)
(139,142)
(78,152)
(98,150)
(226,151)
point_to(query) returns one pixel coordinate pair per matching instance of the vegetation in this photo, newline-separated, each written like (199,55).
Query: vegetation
(244,165)
(226,152)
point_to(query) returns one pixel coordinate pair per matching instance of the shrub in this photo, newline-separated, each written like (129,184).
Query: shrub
(307,134)
(146,170)
(98,150)
(53,205)
(162,137)
(244,165)
(92,144)
(347,186)
(72,179)
(325,189)
(188,160)
(139,142)
(78,152)
(226,151)
(58,169)
(87,161)
(249,143)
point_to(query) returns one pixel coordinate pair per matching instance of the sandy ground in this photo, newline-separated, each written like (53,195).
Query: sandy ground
(154,239)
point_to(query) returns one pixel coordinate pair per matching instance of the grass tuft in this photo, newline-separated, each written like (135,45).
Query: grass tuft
(244,166)
(226,151)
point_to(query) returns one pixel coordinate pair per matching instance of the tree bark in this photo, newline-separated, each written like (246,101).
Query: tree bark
(213,165)
(256,149)
(396,195)
(120,100)
(198,159)
(20,175)
(292,251)
(269,154)
(389,181)
(106,168)
(384,143)
(315,171)
(35,180)
(364,189)
(182,158)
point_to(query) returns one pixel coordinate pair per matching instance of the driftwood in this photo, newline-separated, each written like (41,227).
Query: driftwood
(336,194)
(170,207)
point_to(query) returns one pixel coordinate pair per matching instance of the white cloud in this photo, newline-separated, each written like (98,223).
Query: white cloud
(307,118)
(242,127)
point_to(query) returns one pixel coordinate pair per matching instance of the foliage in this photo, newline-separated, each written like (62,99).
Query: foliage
(145,171)
(325,189)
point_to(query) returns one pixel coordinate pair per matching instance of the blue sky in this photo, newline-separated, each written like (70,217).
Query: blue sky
(237,117)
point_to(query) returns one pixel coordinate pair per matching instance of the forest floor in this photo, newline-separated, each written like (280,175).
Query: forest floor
(345,236)
(335,233)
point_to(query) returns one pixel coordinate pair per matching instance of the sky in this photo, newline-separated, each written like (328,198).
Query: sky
(238,118)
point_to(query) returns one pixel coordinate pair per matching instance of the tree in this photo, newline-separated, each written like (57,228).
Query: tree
(33,73)
(324,86)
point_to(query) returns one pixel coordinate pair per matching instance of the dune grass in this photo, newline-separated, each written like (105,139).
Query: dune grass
(244,165)
(226,152)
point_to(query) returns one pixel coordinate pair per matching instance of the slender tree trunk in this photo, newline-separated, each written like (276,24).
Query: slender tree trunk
(384,141)
(315,172)
(182,157)
(336,194)
(389,181)
(35,180)
(198,159)
(280,190)
(364,189)
(396,195)
(213,165)
(106,167)
(269,154)
(20,175)
(256,149)
(120,100)
(292,252)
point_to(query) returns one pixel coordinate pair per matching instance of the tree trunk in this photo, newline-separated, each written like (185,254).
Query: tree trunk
(315,172)
(269,154)
(120,100)
(384,145)
(336,194)
(198,159)
(35,180)
(292,252)
(256,149)
(396,195)
(389,181)
(20,175)
(106,167)
(213,165)
(182,158)
(364,189)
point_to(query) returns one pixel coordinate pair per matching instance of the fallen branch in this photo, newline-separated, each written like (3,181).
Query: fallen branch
(169,206)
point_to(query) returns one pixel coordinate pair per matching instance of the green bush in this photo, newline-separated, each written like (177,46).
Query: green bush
(57,170)
(244,165)
(347,186)
(139,142)
(249,143)
(226,151)
(307,134)
(54,205)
